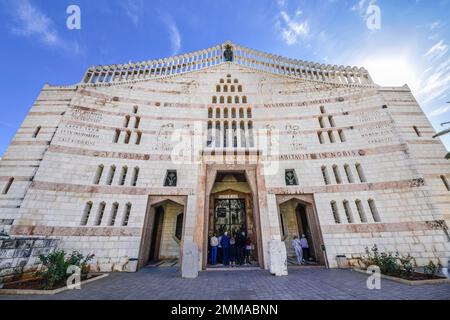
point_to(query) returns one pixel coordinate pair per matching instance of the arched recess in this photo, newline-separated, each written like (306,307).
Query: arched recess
(250,174)
(307,203)
(149,239)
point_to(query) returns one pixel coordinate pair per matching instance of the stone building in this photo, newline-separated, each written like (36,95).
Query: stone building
(145,160)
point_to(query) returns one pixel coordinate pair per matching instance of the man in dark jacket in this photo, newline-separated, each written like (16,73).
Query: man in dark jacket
(225,243)
(240,247)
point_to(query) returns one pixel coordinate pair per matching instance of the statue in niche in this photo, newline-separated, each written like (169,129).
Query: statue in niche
(269,132)
(294,133)
(228,53)
(163,140)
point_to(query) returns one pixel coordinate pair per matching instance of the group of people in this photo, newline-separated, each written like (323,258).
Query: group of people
(230,250)
(301,247)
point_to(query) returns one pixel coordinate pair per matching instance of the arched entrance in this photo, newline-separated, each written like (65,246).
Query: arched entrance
(163,231)
(298,217)
(232,206)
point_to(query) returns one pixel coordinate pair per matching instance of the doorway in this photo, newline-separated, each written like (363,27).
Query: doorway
(230,216)
(163,233)
(298,217)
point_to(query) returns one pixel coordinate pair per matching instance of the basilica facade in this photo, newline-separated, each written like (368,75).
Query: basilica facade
(145,161)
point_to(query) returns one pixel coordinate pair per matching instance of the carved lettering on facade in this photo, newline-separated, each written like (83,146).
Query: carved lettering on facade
(84,114)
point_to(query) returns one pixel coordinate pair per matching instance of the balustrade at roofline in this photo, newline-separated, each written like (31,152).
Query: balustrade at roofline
(199,60)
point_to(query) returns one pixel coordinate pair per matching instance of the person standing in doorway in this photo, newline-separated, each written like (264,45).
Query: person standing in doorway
(240,244)
(233,251)
(297,245)
(225,242)
(214,243)
(248,251)
(219,250)
(305,247)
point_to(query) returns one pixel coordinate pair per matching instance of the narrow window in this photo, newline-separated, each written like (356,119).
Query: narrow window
(229,99)
(112,171)
(135,109)
(362,214)
(320,135)
(291,178)
(86,213)
(326,177)
(249,113)
(232,89)
(334,210)
(446,183)
(8,186)
(138,138)
(137,123)
(214,99)
(179,226)
(321,122)
(360,171)
(217,113)
(217,88)
(241,113)
(337,174)
(36,132)
(98,174)
(126,216)
(341,135)
(112,218)
(233,113)
(348,211)
(331,137)
(331,120)
(322,110)
(239,88)
(171,178)
(210,113)
(250,134)
(225,88)
(349,174)
(244,99)
(419,134)
(236,81)
(100,213)
(222,99)
(234,133)
(127,137)
(236,100)
(126,122)
(222,81)
(116,136)
(123,176)
(374,211)
(135,177)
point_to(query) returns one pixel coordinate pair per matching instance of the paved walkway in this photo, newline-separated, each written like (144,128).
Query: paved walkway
(311,283)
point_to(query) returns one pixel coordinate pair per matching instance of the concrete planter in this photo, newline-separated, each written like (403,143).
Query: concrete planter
(408,282)
(46,292)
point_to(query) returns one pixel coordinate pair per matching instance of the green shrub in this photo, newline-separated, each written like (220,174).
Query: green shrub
(389,263)
(56,265)
(432,269)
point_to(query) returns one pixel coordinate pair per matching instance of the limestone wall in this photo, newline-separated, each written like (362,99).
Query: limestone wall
(86,127)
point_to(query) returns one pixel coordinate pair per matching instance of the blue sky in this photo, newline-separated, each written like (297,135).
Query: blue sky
(412,45)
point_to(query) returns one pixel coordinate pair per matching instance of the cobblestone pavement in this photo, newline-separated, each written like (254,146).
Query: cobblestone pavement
(311,284)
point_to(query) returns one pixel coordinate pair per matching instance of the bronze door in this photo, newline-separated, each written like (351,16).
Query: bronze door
(230,216)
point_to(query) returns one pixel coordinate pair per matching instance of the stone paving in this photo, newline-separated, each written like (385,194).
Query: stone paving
(301,284)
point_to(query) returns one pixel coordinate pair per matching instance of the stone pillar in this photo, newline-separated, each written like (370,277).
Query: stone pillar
(277,258)
(189,260)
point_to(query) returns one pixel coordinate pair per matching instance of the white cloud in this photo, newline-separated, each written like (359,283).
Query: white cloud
(31,22)
(174,33)
(133,9)
(361,7)
(438,50)
(439,111)
(292,29)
